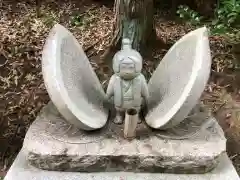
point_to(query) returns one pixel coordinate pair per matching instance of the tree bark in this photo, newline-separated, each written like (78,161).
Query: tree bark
(134,20)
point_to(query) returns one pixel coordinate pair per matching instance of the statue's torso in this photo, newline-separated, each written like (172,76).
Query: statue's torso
(127,93)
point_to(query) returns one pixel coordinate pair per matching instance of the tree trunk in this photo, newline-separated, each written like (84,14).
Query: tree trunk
(134,20)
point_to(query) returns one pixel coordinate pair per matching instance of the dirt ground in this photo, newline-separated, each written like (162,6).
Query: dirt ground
(23,30)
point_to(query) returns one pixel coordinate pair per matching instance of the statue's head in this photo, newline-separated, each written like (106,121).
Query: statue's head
(127,63)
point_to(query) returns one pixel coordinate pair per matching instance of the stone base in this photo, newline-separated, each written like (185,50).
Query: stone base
(53,144)
(21,170)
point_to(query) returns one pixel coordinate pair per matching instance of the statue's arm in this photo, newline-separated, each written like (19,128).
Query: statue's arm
(110,88)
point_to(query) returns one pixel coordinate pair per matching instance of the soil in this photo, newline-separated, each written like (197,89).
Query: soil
(24,28)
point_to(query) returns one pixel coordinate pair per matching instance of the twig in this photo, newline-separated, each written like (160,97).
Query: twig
(223,54)
(234,156)
(219,108)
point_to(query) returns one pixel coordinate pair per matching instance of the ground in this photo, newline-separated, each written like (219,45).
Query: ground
(23,31)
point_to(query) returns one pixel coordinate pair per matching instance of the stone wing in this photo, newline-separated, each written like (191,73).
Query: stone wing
(179,80)
(71,81)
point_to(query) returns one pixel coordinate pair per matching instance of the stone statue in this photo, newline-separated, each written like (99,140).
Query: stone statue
(171,93)
(127,86)
(61,141)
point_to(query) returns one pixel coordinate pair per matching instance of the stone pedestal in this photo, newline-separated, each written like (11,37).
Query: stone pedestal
(21,170)
(53,144)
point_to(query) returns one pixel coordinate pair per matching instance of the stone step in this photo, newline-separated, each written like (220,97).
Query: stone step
(21,170)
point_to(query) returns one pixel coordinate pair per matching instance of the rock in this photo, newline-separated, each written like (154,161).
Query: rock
(53,144)
(71,81)
(179,80)
(21,170)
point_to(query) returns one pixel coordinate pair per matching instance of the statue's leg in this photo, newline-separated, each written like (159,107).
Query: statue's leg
(120,113)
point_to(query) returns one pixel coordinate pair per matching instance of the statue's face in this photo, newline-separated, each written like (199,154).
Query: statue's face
(127,70)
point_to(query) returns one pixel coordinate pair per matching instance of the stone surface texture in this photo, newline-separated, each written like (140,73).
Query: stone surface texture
(130,124)
(71,81)
(21,170)
(174,88)
(52,144)
(179,80)
(127,86)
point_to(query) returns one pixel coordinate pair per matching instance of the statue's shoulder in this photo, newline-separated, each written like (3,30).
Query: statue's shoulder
(141,76)
(114,77)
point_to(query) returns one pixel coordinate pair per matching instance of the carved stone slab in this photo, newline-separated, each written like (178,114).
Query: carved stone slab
(179,80)
(21,170)
(71,81)
(53,144)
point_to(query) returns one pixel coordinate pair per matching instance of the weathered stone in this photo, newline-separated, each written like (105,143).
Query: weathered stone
(53,144)
(127,86)
(71,81)
(130,123)
(179,80)
(21,170)
(175,86)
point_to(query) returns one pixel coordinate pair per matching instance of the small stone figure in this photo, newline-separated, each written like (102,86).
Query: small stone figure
(127,86)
